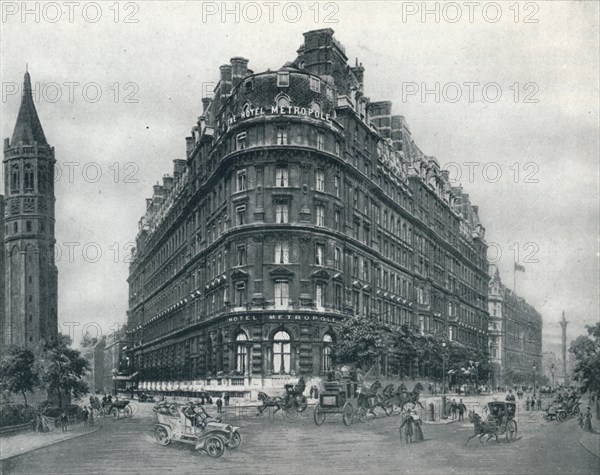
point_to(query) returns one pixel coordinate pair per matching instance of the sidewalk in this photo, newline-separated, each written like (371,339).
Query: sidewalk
(14,445)
(591,442)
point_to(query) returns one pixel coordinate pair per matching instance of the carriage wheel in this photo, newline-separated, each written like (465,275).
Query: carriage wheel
(362,414)
(302,404)
(128,411)
(319,415)
(347,414)
(561,416)
(161,436)
(235,441)
(511,431)
(576,411)
(114,413)
(214,446)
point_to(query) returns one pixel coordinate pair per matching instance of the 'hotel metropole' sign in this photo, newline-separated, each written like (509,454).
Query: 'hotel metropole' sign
(283,317)
(250,112)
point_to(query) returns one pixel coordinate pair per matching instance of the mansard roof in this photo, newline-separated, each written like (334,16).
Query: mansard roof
(28,128)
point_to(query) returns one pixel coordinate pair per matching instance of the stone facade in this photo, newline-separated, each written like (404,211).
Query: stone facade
(300,203)
(30,275)
(515,335)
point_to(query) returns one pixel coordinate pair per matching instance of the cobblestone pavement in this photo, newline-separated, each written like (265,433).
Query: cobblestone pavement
(276,444)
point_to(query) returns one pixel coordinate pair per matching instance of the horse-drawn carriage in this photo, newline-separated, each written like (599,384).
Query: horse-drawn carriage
(500,421)
(118,407)
(293,400)
(333,401)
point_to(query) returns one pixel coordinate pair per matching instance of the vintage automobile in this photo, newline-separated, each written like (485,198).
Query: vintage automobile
(502,414)
(210,438)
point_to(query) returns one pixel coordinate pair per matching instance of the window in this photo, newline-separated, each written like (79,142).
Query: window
(320,296)
(283,101)
(281,213)
(356,301)
(240,294)
(320,255)
(366,270)
(240,184)
(355,266)
(248,86)
(28,226)
(315,84)
(320,180)
(281,353)
(283,79)
(281,177)
(338,296)
(336,185)
(336,219)
(15,178)
(338,258)
(241,141)
(320,215)
(337,148)
(28,177)
(282,294)
(327,360)
(241,256)
(282,253)
(240,212)
(241,353)
(320,141)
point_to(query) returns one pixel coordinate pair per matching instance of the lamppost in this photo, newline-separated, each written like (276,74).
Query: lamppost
(444,357)
(552,373)
(534,368)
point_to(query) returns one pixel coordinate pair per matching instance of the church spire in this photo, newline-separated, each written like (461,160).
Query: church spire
(28,128)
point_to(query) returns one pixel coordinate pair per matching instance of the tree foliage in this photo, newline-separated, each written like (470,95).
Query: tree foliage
(62,368)
(586,349)
(360,342)
(17,371)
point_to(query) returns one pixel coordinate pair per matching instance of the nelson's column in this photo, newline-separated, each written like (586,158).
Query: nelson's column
(30,274)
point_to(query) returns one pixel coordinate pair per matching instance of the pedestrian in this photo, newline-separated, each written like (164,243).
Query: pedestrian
(527,404)
(64,421)
(85,417)
(453,408)
(226,399)
(219,405)
(539,403)
(407,424)
(461,410)
(587,420)
(91,421)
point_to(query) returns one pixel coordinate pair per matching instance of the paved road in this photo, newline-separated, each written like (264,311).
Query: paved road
(275,445)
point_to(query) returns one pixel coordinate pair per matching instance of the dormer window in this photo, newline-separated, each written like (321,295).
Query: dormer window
(283,101)
(315,84)
(248,86)
(283,79)
(241,141)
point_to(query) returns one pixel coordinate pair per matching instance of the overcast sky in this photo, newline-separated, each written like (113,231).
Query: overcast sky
(541,134)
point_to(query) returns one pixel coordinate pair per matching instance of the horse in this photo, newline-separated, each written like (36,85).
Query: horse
(482,428)
(269,401)
(403,397)
(365,396)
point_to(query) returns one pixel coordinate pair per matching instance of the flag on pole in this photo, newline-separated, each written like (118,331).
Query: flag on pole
(519,267)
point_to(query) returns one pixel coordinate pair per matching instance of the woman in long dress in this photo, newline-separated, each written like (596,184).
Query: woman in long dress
(418,433)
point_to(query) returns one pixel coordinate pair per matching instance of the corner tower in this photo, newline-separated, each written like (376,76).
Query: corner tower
(30,274)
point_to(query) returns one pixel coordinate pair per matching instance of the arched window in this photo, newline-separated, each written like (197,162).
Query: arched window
(28,177)
(281,353)
(15,178)
(315,106)
(326,353)
(241,352)
(283,101)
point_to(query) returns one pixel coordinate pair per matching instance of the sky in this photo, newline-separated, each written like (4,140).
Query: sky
(504,95)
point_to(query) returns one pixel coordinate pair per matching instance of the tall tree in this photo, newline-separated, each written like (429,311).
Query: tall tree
(17,371)
(360,342)
(586,349)
(62,368)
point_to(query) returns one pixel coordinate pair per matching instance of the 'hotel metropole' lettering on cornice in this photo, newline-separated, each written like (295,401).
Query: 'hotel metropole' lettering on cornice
(299,318)
(278,110)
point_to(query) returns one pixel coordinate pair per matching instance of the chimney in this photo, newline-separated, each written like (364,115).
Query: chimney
(239,67)
(205,104)
(178,168)
(148,203)
(167,183)
(225,77)
(189,144)
(359,73)
(159,194)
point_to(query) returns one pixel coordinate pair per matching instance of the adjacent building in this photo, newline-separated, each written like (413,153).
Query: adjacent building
(515,335)
(299,203)
(28,312)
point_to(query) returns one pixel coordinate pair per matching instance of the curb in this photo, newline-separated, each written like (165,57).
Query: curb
(50,443)
(583,445)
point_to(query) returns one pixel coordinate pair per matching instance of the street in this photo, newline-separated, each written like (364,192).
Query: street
(278,444)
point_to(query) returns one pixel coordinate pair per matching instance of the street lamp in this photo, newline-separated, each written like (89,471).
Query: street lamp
(534,368)
(444,356)
(552,373)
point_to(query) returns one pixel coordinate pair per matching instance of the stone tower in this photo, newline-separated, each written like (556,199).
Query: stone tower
(30,274)
(563,325)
